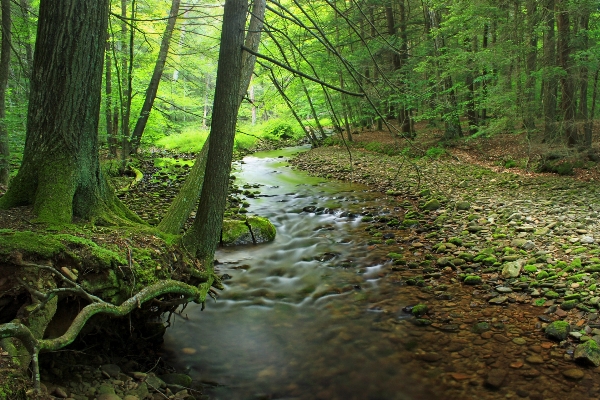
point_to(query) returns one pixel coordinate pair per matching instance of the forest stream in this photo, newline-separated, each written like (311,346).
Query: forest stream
(322,313)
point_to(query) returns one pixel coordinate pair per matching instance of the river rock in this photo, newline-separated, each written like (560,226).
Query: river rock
(431,205)
(587,239)
(177,379)
(558,330)
(573,373)
(512,269)
(463,205)
(495,378)
(112,370)
(253,230)
(588,353)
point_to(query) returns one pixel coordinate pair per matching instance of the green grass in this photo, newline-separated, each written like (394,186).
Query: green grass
(191,139)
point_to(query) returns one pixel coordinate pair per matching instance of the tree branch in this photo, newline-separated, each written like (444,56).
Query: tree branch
(302,74)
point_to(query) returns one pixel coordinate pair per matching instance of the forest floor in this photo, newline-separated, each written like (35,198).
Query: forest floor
(506,259)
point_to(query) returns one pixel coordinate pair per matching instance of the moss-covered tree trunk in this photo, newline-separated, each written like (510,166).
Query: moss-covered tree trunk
(206,230)
(60,174)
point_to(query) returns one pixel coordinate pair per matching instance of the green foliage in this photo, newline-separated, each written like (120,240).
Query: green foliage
(434,152)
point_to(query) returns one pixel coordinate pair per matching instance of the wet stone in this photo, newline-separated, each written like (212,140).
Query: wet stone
(503,289)
(573,373)
(498,300)
(535,359)
(495,378)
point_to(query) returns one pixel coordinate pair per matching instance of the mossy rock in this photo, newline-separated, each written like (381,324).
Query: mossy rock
(431,205)
(420,310)
(588,353)
(558,330)
(472,280)
(253,230)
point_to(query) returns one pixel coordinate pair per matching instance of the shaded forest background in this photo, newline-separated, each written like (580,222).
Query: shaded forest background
(463,68)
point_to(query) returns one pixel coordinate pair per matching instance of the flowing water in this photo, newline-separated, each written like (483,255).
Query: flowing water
(290,323)
(318,313)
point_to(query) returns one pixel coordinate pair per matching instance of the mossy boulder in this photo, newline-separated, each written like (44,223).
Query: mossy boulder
(558,330)
(253,230)
(588,353)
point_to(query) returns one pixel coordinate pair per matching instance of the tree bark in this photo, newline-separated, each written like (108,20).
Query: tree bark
(531,54)
(567,99)
(183,204)
(111,134)
(206,229)
(159,67)
(60,174)
(550,81)
(4,69)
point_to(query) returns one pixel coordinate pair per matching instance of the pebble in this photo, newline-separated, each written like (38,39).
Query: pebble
(535,359)
(573,373)
(496,377)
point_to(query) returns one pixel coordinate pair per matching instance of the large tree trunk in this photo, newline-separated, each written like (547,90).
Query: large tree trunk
(206,229)
(4,69)
(159,67)
(60,174)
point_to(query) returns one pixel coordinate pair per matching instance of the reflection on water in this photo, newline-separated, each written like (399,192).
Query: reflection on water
(292,322)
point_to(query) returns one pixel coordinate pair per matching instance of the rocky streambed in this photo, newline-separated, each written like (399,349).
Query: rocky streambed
(502,267)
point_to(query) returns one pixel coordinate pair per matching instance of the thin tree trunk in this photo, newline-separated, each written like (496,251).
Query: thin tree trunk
(183,204)
(590,122)
(531,54)
(110,131)
(583,82)
(4,69)
(206,229)
(550,82)
(567,103)
(159,67)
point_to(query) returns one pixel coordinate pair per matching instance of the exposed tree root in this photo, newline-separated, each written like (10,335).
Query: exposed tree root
(33,345)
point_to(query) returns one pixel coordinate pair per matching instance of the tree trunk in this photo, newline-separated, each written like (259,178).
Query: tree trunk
(126,47)
(550,80)
(60,174)
(206,229)
(159,67)
(183,204)
(4,69)
(567,99)
(531,54)
(111,136)
(583,113)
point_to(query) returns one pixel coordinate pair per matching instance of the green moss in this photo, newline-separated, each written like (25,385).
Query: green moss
(472,280)
(420,310)
(551,294)
(576,263)
(456,241)
(530,268)
(395,256)
(561,264)
(30,243)
(542,275)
